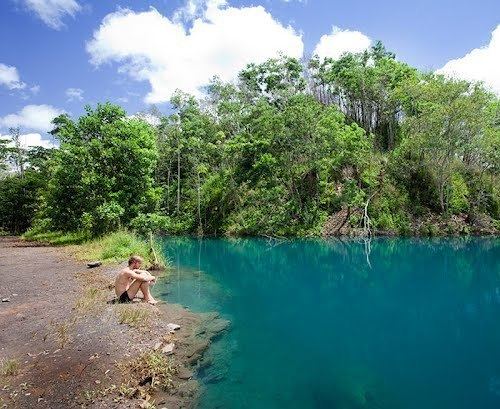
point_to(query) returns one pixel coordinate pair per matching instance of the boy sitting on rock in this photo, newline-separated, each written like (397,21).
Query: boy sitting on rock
(130,280)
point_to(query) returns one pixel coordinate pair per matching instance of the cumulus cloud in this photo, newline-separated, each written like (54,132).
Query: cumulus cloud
(74,94)
(149,46)
(196,8)
(481,64)
(29,140)
(52,12)
(9,77)
(340,41)
(33,117)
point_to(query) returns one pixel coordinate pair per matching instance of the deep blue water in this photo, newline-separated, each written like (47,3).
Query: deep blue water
(412,323)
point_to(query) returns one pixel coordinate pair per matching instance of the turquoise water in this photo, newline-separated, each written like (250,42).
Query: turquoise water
(403,323)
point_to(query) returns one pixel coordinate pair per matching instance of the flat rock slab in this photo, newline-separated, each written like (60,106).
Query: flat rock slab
(168,349)
(173,327)
(184,373)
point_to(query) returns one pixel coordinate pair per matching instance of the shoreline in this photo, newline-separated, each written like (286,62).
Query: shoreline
(73,348)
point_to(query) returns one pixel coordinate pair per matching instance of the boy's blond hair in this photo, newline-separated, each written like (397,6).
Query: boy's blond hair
(135,258)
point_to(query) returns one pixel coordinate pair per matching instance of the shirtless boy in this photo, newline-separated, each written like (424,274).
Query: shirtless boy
(130,280)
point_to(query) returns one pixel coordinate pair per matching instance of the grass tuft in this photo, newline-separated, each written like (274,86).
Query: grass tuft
(93,300)
(9,367)
(134,315)
(153,366)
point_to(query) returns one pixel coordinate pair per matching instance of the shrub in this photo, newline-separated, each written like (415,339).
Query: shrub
(119,246)
(459,195)
(151,222)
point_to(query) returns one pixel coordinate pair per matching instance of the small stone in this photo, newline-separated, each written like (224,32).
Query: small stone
(157,346)
(184,373)
(5,299)
(168,349)
(94,264)
(173,327)
(15,295)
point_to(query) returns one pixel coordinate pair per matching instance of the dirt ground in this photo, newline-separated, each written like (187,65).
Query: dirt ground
(58,325)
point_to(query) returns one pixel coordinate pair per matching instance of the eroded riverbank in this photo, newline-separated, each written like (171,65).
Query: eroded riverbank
(68,347)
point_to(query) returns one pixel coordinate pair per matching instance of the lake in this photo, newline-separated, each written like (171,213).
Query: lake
(395,323)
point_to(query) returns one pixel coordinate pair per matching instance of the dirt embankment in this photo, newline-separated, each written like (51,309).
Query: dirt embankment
(63,345)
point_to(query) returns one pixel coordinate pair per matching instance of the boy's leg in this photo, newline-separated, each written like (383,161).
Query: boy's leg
(134,288)
(147,294)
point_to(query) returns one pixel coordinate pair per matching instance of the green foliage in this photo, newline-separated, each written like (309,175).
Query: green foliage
(55,238)
(19,201)
(21,189)
(459,195)
(119,246)
(102,175)
(278,153)
(389,210)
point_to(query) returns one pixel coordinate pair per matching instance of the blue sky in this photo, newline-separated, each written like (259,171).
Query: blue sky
(57,55)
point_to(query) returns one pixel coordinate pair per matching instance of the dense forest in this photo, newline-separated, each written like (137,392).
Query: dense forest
(361,145)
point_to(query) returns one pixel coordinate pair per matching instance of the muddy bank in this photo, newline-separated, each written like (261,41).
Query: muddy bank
(65,346)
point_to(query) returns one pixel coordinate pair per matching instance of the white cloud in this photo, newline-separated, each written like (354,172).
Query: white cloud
(74,94)
(146,117)
(195,8)
(152,47)
(341,41)
(35,89)
(51,12)
(481,64)
(29,140)
(9,77)
(33,117)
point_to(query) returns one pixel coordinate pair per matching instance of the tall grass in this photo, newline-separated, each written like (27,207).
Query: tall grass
(114,247)
(56,238)
(119,246)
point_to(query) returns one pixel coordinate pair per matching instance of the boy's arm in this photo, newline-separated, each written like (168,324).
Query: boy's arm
(146,273)
(140,277)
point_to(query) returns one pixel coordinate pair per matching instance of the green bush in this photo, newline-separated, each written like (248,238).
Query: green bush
(119,246)
(151,222)
(458,201)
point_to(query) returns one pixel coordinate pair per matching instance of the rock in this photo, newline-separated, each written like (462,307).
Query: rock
(157,346)
(188,389)
(94,264)
(173,327)
(195,351)
(184,373)
(5,299)
(218,325)
(168,349)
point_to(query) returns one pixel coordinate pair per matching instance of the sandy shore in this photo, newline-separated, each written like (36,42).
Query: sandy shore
(70,348)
